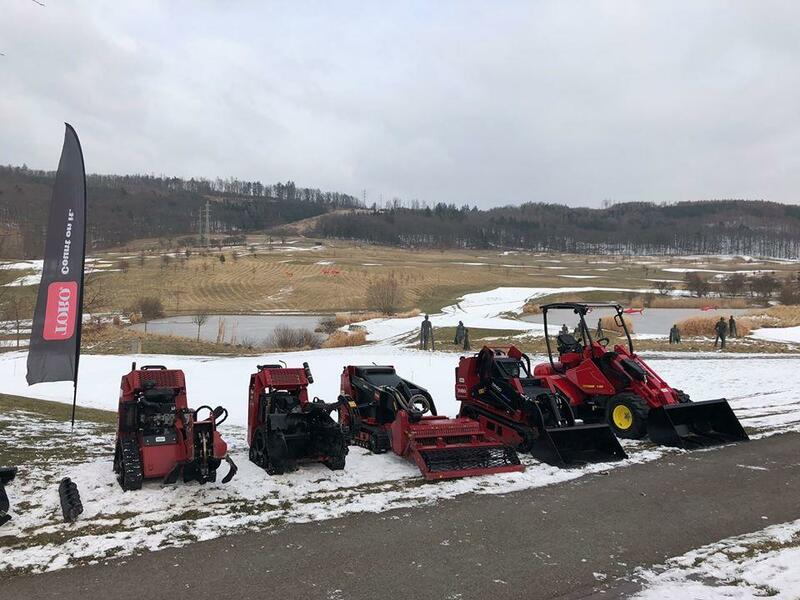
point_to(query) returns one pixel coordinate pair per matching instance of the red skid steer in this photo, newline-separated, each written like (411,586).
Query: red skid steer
(382,412)
(285,428)
(496,387)
(159,436)
(617,386)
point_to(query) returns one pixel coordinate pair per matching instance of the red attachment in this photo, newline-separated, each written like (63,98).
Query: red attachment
(441,447)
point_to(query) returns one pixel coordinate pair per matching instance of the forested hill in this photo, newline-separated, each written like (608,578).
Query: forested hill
(126,207)
(706,227)
(123,208)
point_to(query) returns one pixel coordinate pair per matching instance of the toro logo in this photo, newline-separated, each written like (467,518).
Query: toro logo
(62,309)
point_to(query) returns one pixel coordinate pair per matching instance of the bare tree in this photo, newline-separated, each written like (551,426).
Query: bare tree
(664,287)
(697,284)
(385,295)
(735,284)
(200,319)
(95,295)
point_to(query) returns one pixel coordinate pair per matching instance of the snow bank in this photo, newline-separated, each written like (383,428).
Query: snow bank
(481,310)
(777,334)
(755,565)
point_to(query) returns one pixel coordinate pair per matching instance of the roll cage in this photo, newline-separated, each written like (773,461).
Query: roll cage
(582,309)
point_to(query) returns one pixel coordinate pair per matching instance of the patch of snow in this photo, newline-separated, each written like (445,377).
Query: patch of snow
(580,276)
(777,334)
(754,565)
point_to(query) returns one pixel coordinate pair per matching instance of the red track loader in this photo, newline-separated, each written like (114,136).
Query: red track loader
(496,388)
(159,436)
(284,428)
(619,387)
(383,411)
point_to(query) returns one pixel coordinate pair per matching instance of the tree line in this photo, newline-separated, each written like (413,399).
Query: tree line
(707,227)
(126,207)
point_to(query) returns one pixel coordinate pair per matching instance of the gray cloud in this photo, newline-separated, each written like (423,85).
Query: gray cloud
(464,102)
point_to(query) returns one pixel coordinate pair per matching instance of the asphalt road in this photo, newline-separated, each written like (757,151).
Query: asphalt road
(570,540)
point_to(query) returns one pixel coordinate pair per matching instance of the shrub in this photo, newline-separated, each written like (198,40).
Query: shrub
(287,338)
(704,326)
(610,325)
(150,307)
(385,295)
(340,339)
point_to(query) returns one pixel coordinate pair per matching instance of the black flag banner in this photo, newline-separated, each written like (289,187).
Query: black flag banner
(56,333)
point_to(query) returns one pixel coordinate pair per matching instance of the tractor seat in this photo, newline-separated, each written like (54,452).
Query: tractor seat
(567,344)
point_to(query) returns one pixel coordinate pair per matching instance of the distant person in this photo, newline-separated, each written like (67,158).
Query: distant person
(722,332)
(674,335)
(564,329)
(426,333)
(466,339)
(732,328)
(460,332)
(599,332)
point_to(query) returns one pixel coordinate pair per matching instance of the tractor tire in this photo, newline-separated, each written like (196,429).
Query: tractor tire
(258,449)
(128,462)
(627,413)
(683,397)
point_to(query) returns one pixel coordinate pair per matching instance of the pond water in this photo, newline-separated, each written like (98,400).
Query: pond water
(654,321)
(254,328)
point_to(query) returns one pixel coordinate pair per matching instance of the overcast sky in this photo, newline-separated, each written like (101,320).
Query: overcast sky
(482,103)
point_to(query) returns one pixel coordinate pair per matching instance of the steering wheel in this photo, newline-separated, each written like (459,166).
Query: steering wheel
(419,403)
(603,341)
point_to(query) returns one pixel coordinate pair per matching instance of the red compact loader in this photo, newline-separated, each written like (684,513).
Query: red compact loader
(159,436)
(384,412)
(617,386)
(284,428)
(495,387)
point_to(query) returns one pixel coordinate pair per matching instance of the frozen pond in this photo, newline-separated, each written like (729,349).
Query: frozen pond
(653,321)
(255,328)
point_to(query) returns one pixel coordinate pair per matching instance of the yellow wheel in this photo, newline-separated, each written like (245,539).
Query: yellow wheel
(627,415)
(622,417)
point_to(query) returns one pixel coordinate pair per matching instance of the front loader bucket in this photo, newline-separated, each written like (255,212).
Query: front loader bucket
(450,462)
(695,424)
(577,445)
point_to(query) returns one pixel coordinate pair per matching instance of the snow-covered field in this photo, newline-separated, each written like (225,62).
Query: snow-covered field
(117,524)
(764,564)
(761,389)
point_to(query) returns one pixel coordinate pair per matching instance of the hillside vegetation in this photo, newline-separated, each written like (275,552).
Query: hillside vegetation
(123,208)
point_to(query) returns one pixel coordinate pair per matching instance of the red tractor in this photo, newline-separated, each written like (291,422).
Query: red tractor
(617,386)
(496,388)
(284,428)
(384,412)
(159,436)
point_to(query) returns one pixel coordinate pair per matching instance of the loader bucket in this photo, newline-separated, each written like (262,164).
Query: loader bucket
(577,445)
(450,462)
(695,424)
